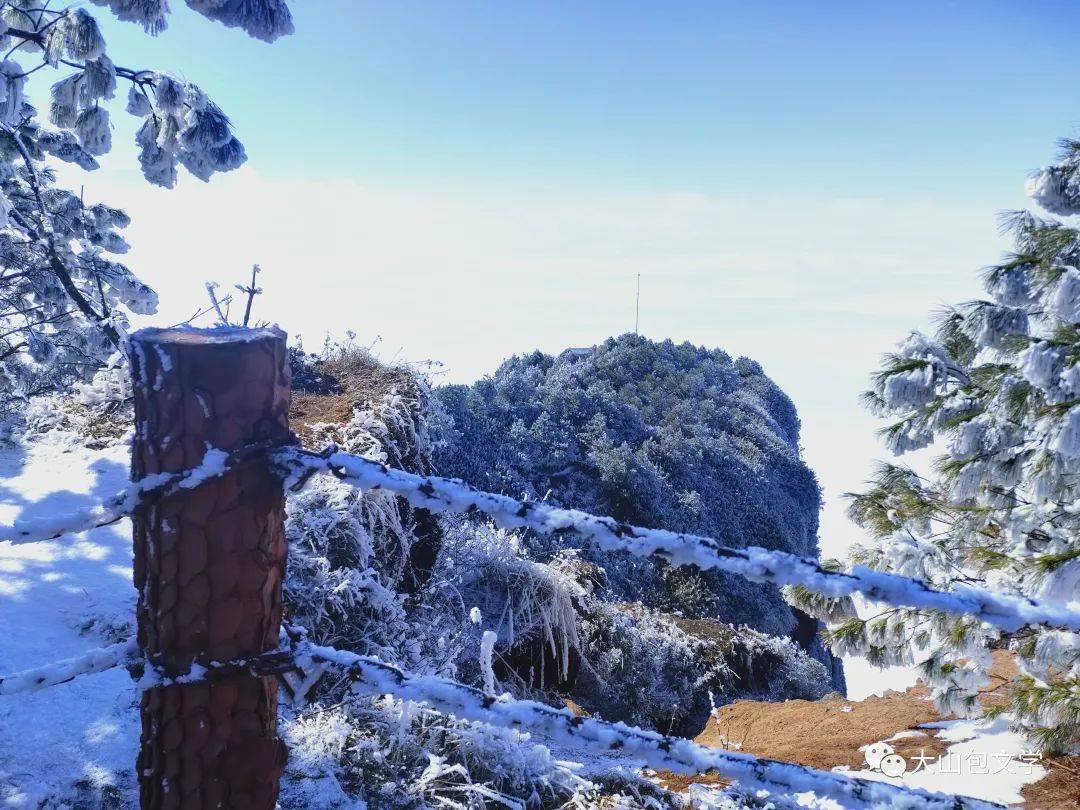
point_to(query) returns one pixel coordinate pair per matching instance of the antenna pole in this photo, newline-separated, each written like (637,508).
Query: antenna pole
(637,304)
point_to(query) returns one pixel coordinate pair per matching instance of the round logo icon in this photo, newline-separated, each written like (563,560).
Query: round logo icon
(873,754)
(893,765)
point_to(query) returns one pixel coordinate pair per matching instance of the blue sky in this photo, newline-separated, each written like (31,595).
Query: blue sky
(852,97)
(801,183)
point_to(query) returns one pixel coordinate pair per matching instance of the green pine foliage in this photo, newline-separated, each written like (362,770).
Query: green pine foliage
(997,391)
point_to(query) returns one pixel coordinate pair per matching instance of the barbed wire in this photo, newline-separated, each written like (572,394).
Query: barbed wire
(58,672)
(1009,612)
(374,676)
(215,463)
(1006,611)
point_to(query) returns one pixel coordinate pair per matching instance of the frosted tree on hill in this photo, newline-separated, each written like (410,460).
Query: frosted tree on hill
(998,388)
(64,297)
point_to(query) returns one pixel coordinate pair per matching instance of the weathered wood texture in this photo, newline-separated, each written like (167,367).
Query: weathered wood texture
(209,563)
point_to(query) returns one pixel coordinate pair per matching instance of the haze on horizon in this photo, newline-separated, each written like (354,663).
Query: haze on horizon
(485,180)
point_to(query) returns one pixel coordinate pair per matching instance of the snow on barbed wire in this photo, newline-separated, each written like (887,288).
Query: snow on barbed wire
(377,677)
(649,747)
(146,674)
(1006,611)
(215,463)
(96,660)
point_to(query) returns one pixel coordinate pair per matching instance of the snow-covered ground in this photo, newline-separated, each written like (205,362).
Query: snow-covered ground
(984,760)
(59,599)
(63,597)
(864,679)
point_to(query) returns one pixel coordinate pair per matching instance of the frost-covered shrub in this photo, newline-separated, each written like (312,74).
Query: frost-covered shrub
(656,434)
(666,672)
(347,396)
(353,554)
(484,578)
(308,376)
(393,754)
(347,554)
(101,420)
(640,667)
(769,667)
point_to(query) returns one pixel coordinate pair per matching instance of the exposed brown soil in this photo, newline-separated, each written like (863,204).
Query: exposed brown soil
(680,783)
(821,734)
(1059,789)
(575,708)
(313,409)
(817,733)
(362,379)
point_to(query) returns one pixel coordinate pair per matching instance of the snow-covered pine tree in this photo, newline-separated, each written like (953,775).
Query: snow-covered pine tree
(64,299)
(999,387)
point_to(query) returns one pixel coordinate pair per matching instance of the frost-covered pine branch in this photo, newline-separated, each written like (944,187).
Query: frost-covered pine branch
(65,299)
(997,391)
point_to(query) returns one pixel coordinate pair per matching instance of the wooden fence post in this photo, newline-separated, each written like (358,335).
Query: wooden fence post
(209,562)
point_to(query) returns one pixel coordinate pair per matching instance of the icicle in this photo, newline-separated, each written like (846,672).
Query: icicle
(487,651)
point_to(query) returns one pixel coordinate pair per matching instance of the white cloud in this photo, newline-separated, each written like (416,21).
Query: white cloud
(815,289)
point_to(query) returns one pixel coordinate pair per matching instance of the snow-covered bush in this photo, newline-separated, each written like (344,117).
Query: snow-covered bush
(65,299)
(658,670)
(656,434)
(640,667)
(396,754)
(348,552)
(997,391)
(484,578)
(354,554)
(100,412)
(389,413)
